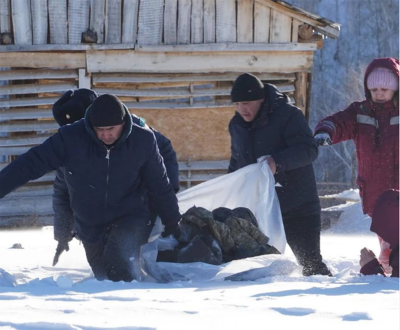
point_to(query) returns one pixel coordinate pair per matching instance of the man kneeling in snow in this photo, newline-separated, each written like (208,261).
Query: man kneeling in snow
(109,161)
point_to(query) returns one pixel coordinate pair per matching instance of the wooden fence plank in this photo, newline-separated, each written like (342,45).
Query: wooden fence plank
(281,27)
(5,16)
(58,21)
(295,30)
(245,21)
(170,22)
(39,22)
(151,14)
(262,15)
(78,20)
(184,11)
(226,21)
(36,88)
(13,141)
(229,47)
(97,19)
(22,22)
(43,60)
(113,22)
(37,74)
(197,34)
(27,102)
(130,21)
(32,113)
(128,61)
(27,126)
(160,78)
(209,21)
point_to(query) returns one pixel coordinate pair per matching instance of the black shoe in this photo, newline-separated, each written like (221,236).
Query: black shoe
(319,269)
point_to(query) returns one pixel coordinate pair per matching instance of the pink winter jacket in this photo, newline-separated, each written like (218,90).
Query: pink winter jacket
(385,223)
(374,128)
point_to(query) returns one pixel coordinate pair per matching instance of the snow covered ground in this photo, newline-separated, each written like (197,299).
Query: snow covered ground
(35,295)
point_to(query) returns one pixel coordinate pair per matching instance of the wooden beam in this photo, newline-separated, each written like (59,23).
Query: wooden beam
(160,78)
(280,27)
(130,21)
(37,74)
(262,16)
(39,22)
(78,20)
(128,61)
(63,47)
(26,102)
(323,28)
(24,140)
(28,126)
(36,88)
(300,94)
(245,20)
(64,60)
(209,21)
(229,47)
(33,113)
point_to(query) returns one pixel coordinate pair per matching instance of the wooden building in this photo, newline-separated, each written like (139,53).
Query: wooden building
(170,61)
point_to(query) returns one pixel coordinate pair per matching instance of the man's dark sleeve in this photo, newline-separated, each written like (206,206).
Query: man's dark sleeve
(158,185)
(33,164)
(232,161)
(63,215)
(301,147)
(169,156)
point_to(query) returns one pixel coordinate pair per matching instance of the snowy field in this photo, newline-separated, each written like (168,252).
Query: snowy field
(35,295)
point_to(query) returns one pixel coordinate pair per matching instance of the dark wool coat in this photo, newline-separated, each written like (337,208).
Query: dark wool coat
(374,128)
(63,216)
(385,223)
(280,130)
(105,186)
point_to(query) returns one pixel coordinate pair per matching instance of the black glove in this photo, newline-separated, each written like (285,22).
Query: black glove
(323,139)
(172,230)
(61,247)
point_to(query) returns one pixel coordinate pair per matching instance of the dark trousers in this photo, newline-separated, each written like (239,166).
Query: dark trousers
(115,256)
(303,237)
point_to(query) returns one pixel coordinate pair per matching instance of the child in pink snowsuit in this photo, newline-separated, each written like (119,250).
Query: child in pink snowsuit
(373,125)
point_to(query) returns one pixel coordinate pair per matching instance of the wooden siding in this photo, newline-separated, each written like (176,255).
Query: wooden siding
(150,22)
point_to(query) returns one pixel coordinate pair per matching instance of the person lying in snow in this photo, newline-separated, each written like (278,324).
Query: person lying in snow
(373,125)
(70,108)
(217,237)
(385,223)
(107,158)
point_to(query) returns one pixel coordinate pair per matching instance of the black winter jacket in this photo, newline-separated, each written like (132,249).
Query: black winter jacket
(104,185)
(64,228)
(281,131)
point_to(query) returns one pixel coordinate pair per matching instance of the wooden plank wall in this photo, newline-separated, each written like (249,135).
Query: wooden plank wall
(147,22)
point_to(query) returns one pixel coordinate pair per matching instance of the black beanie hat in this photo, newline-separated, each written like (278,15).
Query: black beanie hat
(247,87)
(72,105)
(106,110)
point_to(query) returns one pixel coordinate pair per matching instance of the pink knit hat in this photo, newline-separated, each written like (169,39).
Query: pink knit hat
(383,78)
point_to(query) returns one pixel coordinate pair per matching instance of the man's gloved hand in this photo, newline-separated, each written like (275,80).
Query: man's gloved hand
(323,139)
(61,247)
(172,230)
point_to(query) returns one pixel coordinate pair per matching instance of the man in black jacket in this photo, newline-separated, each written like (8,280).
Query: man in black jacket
(108,161)
(265,124)
(69,108)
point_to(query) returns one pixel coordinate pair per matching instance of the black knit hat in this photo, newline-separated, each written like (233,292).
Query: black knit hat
(247,87)
(72,105)
(106,110)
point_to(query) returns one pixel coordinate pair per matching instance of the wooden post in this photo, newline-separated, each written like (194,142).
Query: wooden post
(84,79)
(300,94)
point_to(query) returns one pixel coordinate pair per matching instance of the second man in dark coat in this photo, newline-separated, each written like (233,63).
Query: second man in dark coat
(265,124)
